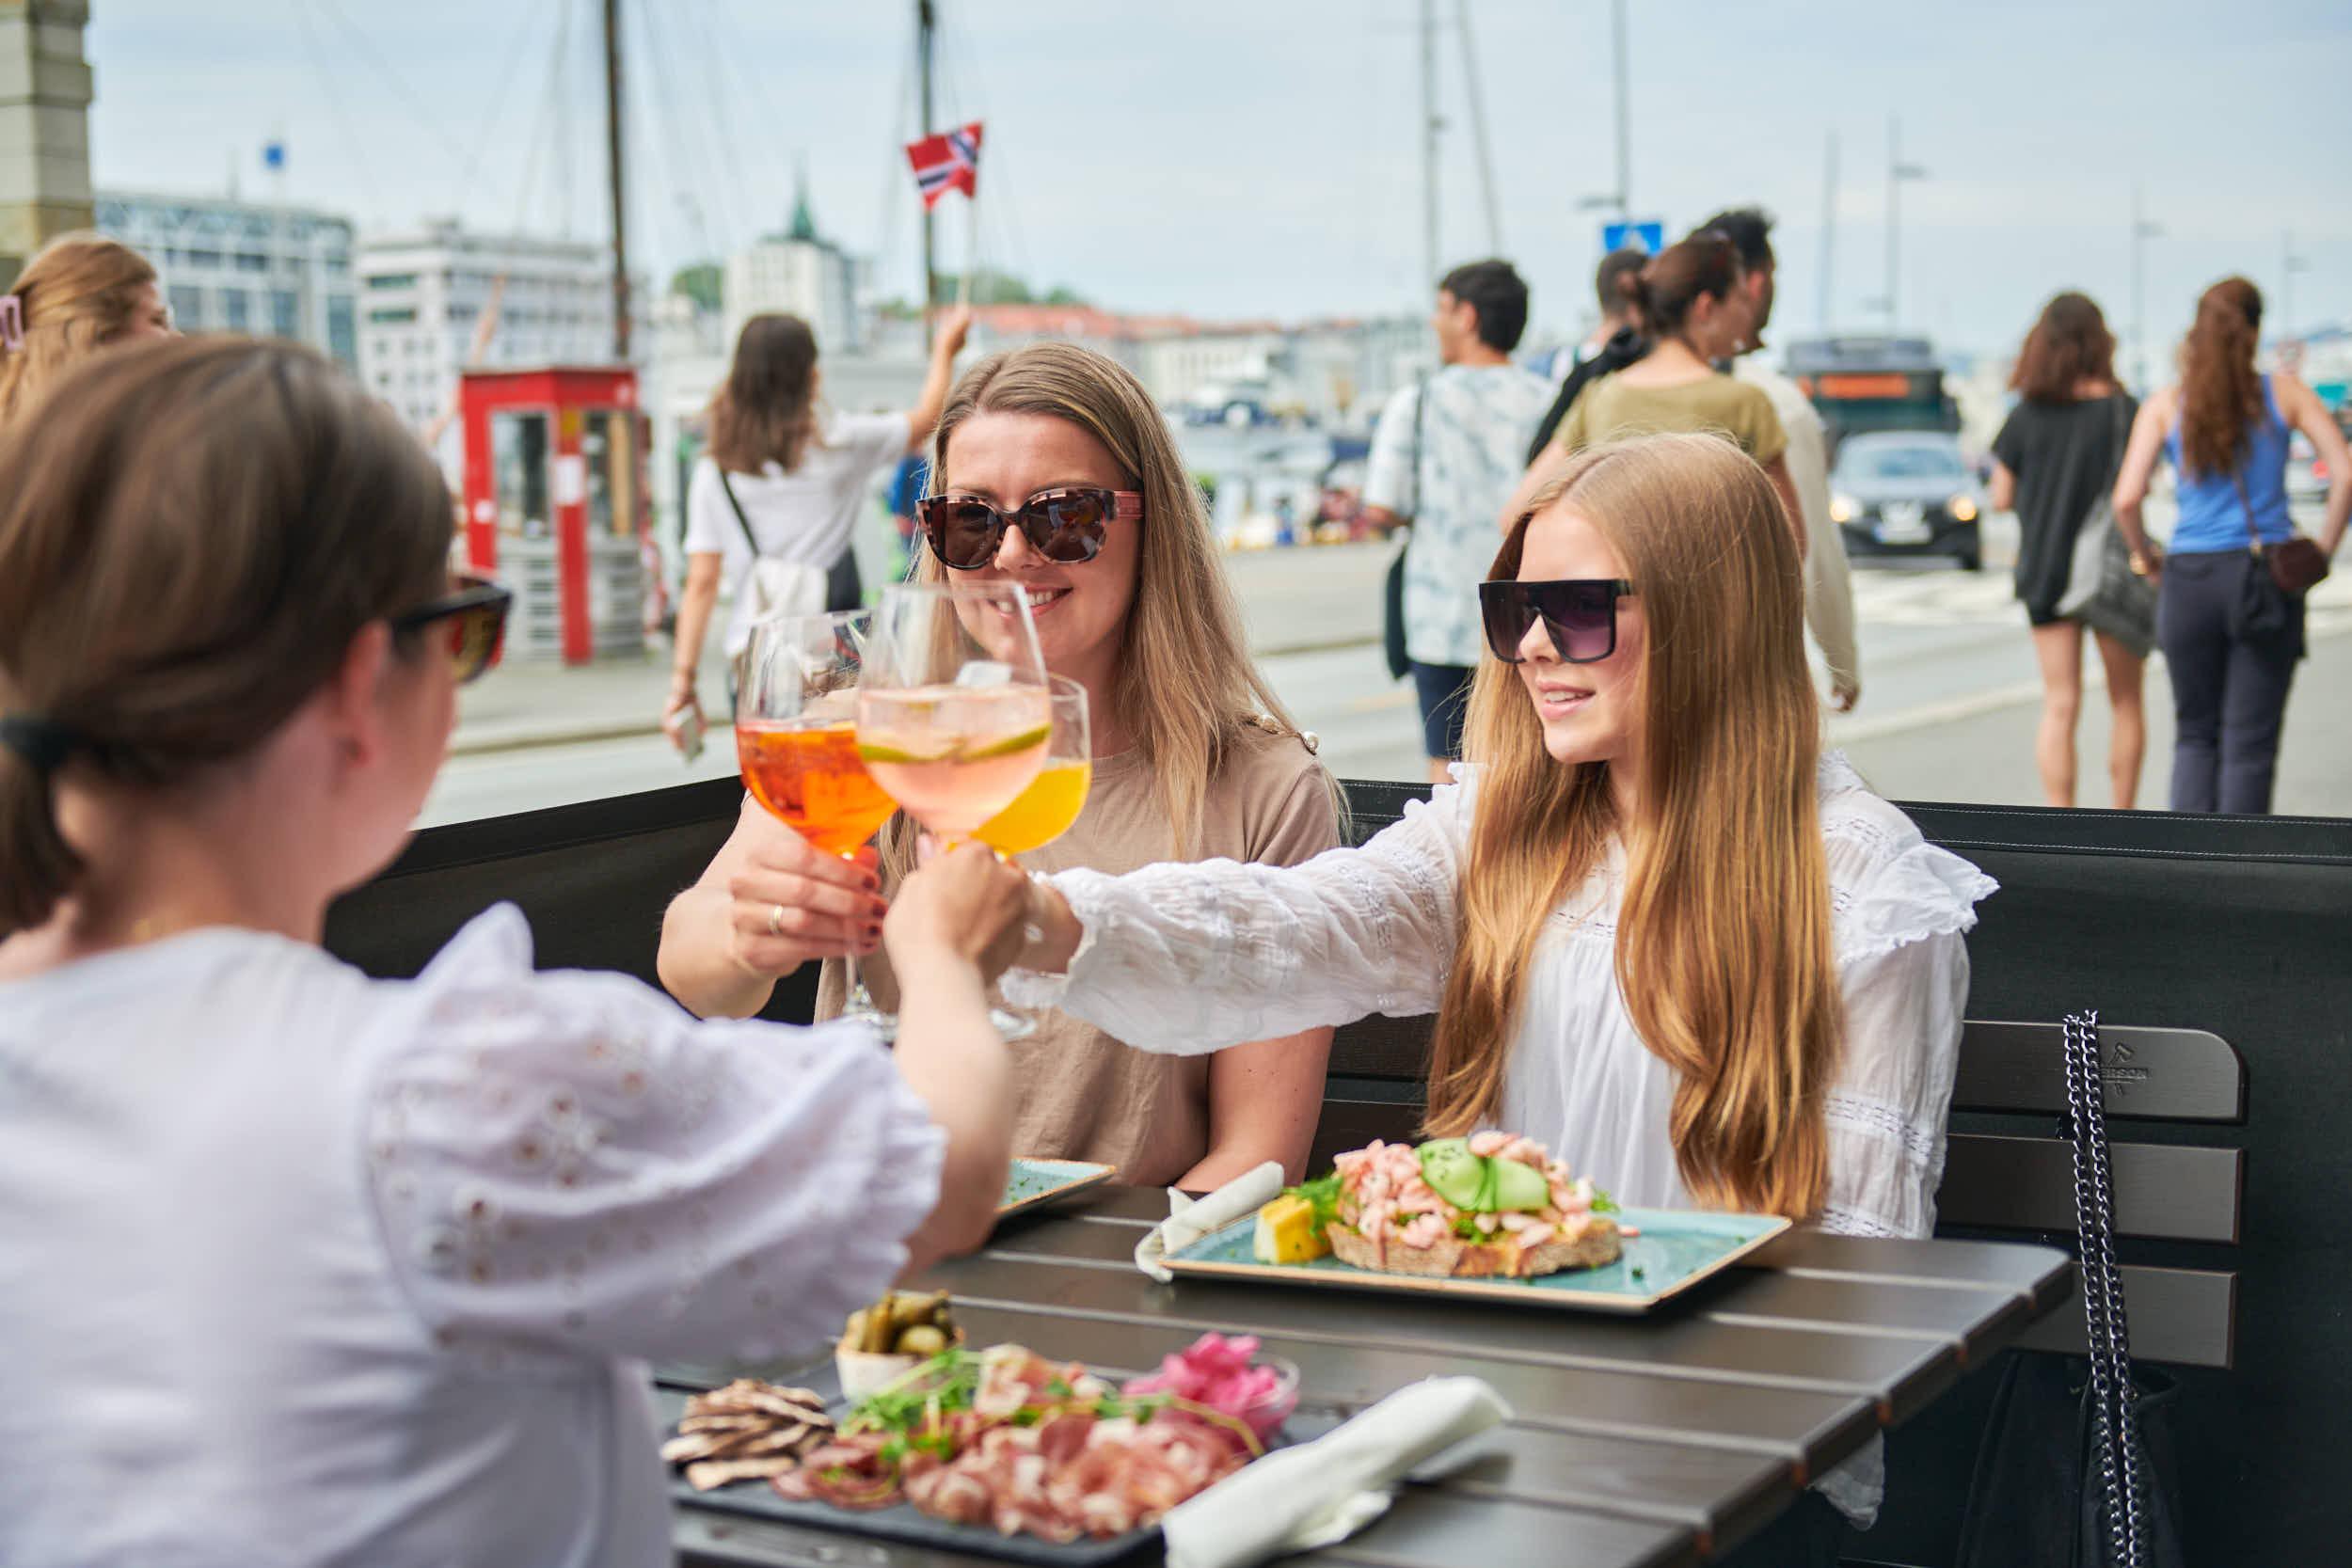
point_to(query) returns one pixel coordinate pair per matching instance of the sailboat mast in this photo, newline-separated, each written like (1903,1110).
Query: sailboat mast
(612,144)
(925,21)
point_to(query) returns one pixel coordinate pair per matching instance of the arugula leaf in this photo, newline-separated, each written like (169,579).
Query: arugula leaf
(1603,1203)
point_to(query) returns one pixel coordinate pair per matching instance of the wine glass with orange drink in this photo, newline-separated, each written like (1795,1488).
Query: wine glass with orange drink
(1048,808)
(796,738)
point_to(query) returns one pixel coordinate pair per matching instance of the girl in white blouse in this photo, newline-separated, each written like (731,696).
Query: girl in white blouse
(302,1267)
(1661,933)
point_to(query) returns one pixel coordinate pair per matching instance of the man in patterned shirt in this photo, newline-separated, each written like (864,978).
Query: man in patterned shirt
(1447,452)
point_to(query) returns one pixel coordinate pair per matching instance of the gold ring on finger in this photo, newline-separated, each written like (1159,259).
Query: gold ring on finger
(775,921)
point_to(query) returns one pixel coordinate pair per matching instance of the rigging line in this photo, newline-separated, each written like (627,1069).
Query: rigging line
(718,66)
(564,146)
(1478,126)
(1004,208)
(548,104)
(895,175)
(414,102)
(686,131)
(652,86)
(336,109)
(499,100)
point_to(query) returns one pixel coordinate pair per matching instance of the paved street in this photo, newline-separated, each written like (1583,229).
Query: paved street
(1950,700)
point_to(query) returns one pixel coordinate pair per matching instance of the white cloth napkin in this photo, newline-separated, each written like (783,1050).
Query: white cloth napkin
(1296,1499)
(1187,1221)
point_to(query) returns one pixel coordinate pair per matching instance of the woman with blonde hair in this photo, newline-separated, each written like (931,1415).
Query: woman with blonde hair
(1662,932)
(81,291)
(1055,469)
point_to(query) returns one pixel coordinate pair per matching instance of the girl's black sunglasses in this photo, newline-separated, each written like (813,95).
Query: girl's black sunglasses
(1580,613)
(1064,526)
(476,610)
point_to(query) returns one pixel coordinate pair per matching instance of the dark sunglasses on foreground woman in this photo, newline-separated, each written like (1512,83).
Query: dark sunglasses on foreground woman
(1063,526)
(475,609)
(1580,613)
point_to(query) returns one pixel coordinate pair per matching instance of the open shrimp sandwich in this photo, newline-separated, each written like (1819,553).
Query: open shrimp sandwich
(1493,1205)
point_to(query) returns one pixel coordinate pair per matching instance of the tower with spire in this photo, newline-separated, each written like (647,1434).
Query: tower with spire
(797,272)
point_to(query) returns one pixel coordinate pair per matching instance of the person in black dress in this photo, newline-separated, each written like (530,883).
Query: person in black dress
(2053,459)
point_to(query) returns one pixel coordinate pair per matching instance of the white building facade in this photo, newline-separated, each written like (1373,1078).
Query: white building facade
(797,273)
(422,296)
(244,267)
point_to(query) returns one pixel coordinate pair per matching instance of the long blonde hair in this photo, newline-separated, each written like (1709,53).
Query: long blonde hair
(1723,941)
(77,293)
(1186,685)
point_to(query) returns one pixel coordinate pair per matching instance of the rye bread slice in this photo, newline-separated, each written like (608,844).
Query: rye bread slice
(1454,1258)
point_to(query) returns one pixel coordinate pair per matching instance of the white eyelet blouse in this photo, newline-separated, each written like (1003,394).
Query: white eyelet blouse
(297,1266)
(1192,957)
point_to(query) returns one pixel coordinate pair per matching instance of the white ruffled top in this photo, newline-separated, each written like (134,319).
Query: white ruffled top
(301,1265)
(1193,958)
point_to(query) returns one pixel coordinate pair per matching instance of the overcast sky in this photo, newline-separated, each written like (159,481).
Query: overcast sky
(1262,157)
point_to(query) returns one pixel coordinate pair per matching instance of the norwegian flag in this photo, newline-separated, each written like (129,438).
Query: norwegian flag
(948,161)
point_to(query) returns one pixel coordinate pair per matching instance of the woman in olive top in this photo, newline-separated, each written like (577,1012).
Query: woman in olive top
(1689,297)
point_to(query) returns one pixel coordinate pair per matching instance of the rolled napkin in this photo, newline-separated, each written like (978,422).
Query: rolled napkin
(1187,1221)
(1296,1499)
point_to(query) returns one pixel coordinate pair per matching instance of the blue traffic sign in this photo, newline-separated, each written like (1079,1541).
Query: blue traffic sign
(1649,236)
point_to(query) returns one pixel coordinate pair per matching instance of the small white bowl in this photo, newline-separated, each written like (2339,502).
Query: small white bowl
(864,1373)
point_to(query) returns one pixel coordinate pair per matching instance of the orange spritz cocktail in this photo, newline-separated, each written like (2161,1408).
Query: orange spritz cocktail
(808,775)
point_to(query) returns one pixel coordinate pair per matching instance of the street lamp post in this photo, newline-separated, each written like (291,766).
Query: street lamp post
(2142,232)
(2289,265)
(1896,172)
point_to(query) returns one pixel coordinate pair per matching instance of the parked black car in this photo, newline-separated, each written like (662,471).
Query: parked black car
(1906,493)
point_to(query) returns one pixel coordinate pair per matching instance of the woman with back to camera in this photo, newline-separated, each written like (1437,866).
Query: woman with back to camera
(2231,636)
(1663,934)
(302,1267)
(80,293)
(781,475)
(1056,471)
(2055,460)
(1689,302)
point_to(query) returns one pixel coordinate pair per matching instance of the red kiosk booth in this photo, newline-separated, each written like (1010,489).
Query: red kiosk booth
(556,504)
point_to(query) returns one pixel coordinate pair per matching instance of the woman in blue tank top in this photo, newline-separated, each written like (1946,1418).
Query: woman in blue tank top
(2231,639)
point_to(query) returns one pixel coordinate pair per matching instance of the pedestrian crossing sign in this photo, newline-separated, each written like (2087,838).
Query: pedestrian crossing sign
(1648,236)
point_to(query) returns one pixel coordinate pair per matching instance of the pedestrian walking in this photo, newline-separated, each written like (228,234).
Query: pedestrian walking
(1828,579)
(1443,457)
(1614,343)
(2229,613)
(80,293)
(783,482)
(1696,314)
(2054,464)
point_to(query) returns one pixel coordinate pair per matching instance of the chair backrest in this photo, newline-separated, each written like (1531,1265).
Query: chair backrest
(2007,1170)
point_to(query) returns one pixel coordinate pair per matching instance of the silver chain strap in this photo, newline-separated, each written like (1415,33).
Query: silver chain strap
(2115,1428)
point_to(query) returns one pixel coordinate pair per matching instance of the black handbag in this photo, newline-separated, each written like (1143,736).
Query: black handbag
(1392,586)
(2077,1468)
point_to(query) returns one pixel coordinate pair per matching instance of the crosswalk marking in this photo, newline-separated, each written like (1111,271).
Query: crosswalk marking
(1932,598)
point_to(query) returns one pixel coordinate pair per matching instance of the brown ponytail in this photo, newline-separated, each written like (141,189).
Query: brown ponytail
(2221,396)
(78,294)
(193,532)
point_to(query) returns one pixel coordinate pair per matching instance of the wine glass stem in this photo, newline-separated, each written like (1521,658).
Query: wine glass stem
(859,1003)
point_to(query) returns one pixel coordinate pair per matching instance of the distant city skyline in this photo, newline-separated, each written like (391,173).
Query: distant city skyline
(1248,161)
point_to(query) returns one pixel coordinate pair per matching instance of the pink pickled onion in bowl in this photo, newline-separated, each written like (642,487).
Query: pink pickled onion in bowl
(1218,1372)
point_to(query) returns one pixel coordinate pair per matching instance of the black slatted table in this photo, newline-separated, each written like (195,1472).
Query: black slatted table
(1637,1442)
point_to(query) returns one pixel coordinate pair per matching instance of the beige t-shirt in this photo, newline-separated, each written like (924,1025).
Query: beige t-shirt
(1609,409)
(1085,1095)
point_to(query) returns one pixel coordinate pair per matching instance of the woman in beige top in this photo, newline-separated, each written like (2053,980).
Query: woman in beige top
(1194,759)
(1690,300)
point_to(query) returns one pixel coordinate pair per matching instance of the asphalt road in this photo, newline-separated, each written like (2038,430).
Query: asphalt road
(1950,696)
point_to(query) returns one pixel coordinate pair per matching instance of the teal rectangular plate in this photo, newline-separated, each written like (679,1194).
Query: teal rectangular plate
(1034,1181)
(1676,1248)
